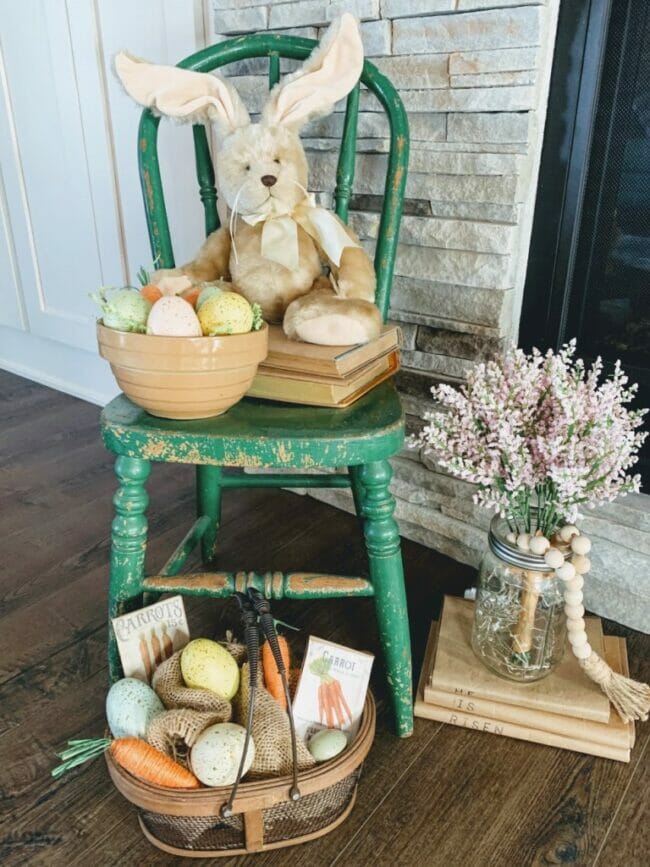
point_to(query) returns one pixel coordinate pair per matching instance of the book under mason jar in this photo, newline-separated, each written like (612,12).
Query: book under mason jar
(456,688)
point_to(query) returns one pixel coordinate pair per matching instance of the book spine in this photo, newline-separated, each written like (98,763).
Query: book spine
(520,732)
(600,733)
(583,712)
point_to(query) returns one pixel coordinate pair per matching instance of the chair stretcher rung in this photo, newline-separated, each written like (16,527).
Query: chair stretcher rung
(286,480)
(274,585)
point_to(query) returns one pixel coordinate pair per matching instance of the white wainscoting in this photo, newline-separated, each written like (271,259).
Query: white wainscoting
(71,216)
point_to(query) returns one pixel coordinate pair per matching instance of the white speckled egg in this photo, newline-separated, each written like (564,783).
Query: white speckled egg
(216,755)
(172,316)
(130,706)
(326,744)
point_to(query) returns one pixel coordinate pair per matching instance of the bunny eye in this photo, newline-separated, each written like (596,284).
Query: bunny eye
(276,160)
(248,168)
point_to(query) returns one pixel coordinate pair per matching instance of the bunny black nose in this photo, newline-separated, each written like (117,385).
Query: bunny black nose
(268,180)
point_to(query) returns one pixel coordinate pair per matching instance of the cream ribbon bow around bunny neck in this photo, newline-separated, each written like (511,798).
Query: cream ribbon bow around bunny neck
(280,231)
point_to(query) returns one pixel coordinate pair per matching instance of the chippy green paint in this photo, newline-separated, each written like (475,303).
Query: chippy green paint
(128,545)
(258,434)
(274,585)
(387,577)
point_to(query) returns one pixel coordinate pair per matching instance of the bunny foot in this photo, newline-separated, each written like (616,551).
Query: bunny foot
(323,318)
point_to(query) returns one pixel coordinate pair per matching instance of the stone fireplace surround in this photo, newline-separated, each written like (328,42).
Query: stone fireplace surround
(474,77)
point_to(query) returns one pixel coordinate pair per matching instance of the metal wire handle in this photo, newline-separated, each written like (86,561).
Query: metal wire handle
(263,609)
(252,639)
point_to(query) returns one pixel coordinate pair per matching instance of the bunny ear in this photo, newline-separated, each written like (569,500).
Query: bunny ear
(328,74)
(192,97)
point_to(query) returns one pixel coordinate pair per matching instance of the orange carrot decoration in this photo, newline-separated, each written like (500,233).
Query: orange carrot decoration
(135,756)
(191,295)
(151,293)
(272,679)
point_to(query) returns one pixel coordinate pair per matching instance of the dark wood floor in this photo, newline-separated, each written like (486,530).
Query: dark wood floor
(443,797)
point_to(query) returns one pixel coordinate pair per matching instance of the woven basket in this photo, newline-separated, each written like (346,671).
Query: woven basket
(189,823)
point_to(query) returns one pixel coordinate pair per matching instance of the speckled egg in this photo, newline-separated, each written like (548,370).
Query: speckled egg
(216,755)
(326,744)
(130,706)
(172,316)
(207,665)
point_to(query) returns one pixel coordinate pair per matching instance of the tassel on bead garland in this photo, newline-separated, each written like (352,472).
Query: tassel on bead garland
(630,698)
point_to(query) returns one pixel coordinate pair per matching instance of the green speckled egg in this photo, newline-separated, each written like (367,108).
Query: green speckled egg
(326,744)
(207,665)
(131,704)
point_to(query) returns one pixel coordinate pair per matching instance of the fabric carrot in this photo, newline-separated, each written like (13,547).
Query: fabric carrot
(151,293)
(191,295)
(135,756)
(272,679)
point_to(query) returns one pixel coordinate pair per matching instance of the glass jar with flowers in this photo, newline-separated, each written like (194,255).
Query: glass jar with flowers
(540,436)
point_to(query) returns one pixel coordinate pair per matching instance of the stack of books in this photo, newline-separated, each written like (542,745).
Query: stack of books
(332,376)
(565,709)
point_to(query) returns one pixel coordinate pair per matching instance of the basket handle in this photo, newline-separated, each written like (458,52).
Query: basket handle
(263,609)
(252,639)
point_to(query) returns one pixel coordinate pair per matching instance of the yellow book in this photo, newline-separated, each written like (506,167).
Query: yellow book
(321,390)
(565,691)
(614,733)
(475,722)
(335,361)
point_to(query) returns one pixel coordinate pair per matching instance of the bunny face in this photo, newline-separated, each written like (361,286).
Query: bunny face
(255,162)
(259,162)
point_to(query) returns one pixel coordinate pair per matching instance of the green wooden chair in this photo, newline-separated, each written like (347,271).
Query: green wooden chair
(266,435)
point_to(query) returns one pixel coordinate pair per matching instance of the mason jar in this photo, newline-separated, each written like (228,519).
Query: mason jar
(519,628)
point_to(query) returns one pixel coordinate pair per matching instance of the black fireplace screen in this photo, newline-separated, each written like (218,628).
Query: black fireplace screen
(589,267)
(612,273)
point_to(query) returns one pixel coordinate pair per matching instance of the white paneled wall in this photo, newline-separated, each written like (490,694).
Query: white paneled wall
(71,216)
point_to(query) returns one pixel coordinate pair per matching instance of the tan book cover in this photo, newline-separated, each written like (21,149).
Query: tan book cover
(327,360)
(519,732)
(322,391)
(614,733)
(566,691)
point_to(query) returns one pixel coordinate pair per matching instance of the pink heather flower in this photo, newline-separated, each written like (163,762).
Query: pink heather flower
(538,430)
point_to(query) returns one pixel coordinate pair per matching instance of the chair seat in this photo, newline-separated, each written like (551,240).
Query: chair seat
(257,433)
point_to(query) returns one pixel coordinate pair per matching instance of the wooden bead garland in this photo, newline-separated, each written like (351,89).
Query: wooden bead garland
(630,698)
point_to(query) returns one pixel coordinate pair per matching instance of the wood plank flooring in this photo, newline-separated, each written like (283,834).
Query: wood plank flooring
(444,797)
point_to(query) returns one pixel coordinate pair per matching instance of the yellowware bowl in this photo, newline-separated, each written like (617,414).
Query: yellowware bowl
(183,377)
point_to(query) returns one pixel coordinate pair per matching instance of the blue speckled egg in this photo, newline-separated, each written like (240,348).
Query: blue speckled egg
(130,706)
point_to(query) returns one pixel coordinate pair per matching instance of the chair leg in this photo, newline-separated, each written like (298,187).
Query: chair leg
(387,575)
(357,491)
(128,547)
(208,502)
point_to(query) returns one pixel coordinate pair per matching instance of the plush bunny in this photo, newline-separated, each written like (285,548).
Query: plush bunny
(278,239)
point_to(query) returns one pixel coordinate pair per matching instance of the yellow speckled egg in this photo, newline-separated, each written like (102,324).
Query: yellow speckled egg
(207,665)
(225,313)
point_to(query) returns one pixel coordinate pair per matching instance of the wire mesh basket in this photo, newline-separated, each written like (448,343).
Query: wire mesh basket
(189,823)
